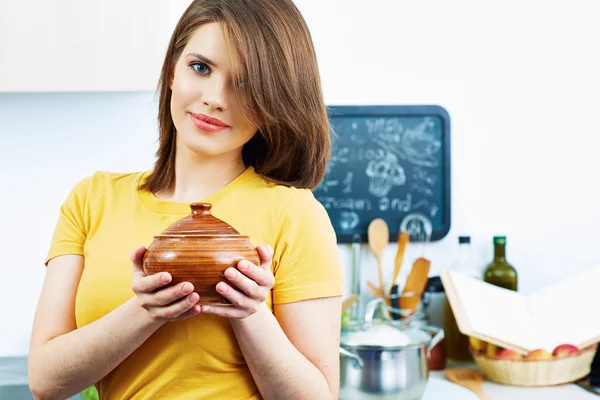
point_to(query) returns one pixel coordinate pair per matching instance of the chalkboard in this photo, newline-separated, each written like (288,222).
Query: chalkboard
(390,162)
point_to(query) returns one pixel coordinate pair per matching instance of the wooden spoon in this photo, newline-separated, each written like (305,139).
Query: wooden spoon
(468,378)
(379,237)
(415,284)
(349,302)
(377,292)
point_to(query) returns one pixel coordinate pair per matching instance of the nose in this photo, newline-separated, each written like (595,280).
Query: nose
(214,95)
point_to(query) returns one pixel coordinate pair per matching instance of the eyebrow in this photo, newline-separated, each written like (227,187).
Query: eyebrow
(203,59)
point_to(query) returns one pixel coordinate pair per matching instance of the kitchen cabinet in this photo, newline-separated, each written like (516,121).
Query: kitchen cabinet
(13,379)
(92,45)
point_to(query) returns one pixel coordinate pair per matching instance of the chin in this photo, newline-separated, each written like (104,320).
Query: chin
(211,144)
(205,150)
(204,146)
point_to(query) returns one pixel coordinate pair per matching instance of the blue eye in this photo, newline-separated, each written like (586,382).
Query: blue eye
(200,68)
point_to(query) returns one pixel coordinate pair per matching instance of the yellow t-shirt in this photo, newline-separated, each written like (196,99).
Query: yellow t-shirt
(105,217)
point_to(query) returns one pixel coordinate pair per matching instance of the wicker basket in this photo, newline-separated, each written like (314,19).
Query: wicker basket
(536,373)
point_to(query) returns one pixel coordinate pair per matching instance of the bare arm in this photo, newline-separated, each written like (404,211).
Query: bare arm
(293,354)
(64,360)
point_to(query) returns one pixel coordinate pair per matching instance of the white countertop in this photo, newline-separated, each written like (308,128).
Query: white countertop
(436,391)
(13,376)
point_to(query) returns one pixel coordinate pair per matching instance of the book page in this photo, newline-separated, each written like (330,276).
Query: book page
(566,312)
(496,312)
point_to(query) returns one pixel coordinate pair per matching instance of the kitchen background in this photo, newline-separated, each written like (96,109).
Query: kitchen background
(519,79)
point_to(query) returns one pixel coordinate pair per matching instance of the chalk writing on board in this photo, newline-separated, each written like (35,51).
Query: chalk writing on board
(418,145)
(347,183)
(423,181)
(348,220)
(384,174)
(356,204)
(346,204)
(389,163)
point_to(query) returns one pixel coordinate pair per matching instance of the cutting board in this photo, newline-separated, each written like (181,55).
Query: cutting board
(442,389)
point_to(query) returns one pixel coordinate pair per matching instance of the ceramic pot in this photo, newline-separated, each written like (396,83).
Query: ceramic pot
(198,249)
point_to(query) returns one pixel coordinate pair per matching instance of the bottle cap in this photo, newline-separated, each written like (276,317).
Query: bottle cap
(464,239)
(434,285)
(499,240)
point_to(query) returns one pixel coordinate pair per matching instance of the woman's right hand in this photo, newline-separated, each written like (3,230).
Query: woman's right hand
(167,304)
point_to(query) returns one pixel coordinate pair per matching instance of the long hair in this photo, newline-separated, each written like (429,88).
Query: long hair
(275,58)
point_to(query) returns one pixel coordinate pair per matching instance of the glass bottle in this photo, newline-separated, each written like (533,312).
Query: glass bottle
(457,344)
(499,272)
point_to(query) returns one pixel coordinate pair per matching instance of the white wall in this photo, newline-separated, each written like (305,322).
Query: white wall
(519,79)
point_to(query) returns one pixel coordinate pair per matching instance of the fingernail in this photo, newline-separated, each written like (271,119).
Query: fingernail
(191,299)
(222,288)
(243,265)
(166,278)
(187,288)
(206,308)
(269,249)
(197,308)
(230,273)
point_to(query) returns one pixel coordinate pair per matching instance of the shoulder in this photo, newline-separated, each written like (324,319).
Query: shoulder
(102,182)
(302,202)
(289,201)
(299,210)
(94,189)
(106,179)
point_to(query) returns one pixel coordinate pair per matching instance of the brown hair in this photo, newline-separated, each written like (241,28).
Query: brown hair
(275,58)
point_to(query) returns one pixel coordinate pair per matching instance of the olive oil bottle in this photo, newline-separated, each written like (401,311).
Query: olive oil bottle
(499,272)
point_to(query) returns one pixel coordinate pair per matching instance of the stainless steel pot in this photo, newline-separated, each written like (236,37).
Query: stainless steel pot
(386,371)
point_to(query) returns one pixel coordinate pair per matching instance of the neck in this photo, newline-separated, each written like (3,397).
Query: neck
(197,177)
(499,252)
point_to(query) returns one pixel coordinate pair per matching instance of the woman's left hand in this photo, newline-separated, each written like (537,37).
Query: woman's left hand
(253,284)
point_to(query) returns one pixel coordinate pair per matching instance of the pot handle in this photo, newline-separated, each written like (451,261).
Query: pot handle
(358,362)
(438,336)
(370,312)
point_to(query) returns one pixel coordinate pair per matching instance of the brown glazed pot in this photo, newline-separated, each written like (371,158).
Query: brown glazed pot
(198,249)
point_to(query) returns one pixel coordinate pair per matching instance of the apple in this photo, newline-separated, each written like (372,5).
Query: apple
(565,350)
(477,344)
(506,354)
(538,354)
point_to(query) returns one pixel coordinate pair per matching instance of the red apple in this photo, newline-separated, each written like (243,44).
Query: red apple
(506,354)
(538,354)
(565,350)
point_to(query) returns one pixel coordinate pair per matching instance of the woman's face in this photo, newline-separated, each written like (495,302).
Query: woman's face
(206,113)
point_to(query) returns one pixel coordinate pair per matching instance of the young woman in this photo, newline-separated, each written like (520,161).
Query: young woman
(243,127)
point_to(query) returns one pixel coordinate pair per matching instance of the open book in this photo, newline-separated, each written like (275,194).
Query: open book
(566,312)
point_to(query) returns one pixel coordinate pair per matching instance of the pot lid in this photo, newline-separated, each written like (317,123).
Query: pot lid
(200,222)
(385,335)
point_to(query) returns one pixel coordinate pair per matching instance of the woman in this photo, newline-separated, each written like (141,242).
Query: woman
(243,127)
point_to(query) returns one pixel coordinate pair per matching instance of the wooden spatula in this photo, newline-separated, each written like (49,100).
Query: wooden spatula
(468,378)
(379,237)
(402,242)
(415,283)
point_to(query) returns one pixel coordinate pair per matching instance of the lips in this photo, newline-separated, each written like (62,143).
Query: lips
(208,124)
